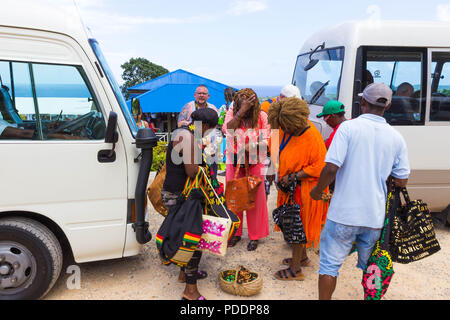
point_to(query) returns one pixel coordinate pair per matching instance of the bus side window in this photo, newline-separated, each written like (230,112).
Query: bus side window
(440,87)
(402,71)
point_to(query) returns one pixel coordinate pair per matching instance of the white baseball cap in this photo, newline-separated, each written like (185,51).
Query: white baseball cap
(375,91)
(291,91)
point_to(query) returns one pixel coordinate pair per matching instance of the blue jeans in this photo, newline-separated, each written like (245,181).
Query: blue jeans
(336,242)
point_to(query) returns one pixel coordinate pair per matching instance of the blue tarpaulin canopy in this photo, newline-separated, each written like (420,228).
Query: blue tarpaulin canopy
(170,92)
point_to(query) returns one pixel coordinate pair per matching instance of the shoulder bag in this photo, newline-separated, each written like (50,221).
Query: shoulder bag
(412,235)
(240,193)
(287,217)
(218,226)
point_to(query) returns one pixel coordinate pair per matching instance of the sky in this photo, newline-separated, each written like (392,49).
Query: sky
(235,42)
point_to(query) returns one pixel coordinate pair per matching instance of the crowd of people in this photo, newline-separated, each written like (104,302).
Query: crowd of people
(276,142)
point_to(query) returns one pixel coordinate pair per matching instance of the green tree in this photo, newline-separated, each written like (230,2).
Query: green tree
(138,70)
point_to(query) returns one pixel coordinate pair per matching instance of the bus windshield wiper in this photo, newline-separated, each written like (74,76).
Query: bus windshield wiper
(319,93)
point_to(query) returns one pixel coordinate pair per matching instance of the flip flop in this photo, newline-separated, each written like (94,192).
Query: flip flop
(199,298)
(252,245)
(304,263)
(289,275)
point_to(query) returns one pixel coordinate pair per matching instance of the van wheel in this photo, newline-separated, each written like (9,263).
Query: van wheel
(30,259)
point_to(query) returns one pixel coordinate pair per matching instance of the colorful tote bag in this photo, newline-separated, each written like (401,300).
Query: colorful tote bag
(215,235)
(412,237)
(218,223)
(216,204)
(379,270)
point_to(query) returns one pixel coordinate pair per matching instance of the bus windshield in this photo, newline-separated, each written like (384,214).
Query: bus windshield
(115,87)
(320,81)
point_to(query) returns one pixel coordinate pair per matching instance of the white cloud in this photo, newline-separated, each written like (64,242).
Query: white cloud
(240,7)
(101,21)
(443,12)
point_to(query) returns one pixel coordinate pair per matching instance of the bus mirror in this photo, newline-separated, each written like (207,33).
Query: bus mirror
(112,135)
(311,64)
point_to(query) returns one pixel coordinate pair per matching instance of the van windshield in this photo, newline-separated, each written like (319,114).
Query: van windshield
(115,87)
(321,82)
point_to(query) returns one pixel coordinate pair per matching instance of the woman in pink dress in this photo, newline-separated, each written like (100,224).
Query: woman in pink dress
(247,132)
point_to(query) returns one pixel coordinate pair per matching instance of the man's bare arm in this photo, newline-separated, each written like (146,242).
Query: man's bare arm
(183,117)
(401,183)
(327,176)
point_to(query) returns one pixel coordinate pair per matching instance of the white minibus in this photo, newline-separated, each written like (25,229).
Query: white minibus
(74,167)
(413,58)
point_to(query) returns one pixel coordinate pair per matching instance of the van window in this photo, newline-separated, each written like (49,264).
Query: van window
(49,102)
(440,87)
(402,71)
(320,83)
(14,95)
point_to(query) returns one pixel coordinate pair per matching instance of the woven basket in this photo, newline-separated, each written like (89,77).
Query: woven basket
(244,289)
(154,192)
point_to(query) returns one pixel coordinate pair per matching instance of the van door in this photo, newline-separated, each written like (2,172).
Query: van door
(52,127)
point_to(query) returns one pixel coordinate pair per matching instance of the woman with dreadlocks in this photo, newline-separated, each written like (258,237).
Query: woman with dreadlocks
(301,157)
(247,132)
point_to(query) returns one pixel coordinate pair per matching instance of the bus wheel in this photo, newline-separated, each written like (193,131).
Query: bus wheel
(30,259)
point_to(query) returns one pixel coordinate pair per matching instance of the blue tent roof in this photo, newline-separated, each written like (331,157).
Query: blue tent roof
(170,92)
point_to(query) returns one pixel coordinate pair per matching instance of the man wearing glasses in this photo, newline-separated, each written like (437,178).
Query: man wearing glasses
(201,96)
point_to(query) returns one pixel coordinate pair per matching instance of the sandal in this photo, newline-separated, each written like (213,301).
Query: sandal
(252,245)
(199,298)
(288,275)
(304,263)
(233,241)
(200,275)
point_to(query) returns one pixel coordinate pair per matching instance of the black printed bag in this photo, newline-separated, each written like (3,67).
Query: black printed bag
(412,234)
(287,218)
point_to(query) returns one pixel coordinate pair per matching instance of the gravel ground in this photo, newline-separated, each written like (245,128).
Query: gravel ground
(143,277)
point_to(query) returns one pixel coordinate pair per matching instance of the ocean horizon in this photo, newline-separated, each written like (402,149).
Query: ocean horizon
(263,91)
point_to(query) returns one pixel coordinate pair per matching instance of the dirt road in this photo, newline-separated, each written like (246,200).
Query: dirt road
(144,277)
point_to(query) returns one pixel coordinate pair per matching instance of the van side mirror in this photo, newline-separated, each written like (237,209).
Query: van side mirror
(111,136)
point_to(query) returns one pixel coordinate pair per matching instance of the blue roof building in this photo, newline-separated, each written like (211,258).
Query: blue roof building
(170,92)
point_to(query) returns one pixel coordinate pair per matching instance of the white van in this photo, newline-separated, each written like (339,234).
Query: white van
(73,166)
(413,58)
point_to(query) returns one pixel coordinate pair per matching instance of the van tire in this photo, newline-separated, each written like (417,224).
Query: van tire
(41,249)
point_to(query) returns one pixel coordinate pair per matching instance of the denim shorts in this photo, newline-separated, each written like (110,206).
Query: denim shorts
(336,242)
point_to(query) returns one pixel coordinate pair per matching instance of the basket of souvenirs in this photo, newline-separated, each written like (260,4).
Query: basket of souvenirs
(241,282)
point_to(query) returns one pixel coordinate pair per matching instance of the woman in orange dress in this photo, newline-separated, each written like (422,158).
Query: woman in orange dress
(301,156)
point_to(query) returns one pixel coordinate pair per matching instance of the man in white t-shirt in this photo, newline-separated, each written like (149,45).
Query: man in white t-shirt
(363,154)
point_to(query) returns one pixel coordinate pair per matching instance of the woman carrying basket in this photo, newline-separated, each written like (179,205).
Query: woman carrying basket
(301,157)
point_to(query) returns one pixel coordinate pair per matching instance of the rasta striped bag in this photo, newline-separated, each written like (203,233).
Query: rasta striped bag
(379,270)
(181,230)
